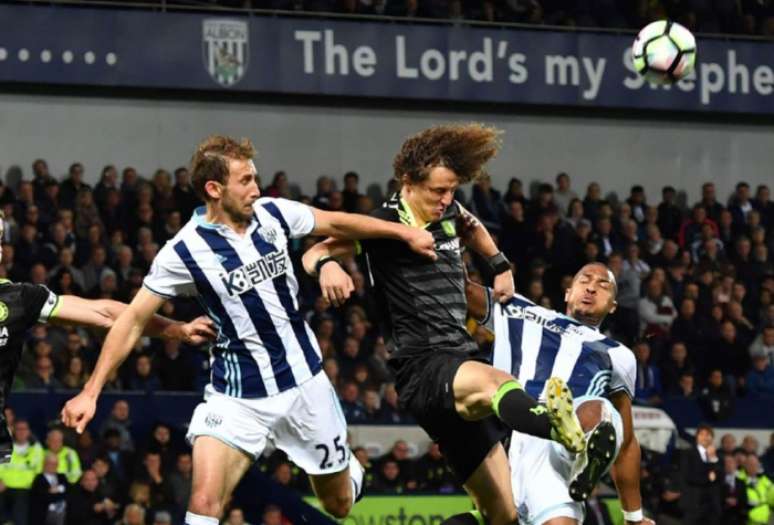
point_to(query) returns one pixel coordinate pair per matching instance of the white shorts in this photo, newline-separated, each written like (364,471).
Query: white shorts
(306,422)
(540,472)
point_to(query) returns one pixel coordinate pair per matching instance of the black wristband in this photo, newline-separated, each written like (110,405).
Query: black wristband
(499,263)
(325,259)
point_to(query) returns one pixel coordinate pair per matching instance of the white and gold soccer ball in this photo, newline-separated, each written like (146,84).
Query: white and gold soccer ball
(664,52)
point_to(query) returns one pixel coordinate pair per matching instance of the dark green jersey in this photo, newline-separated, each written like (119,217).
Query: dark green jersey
(21,306)
(423,301)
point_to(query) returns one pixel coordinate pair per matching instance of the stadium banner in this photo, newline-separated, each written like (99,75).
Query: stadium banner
(106,47)
(653,427)
(403,509)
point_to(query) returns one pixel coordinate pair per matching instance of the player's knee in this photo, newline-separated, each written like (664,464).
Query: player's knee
(589,414)
(205,504)
(337,505)
(474,389)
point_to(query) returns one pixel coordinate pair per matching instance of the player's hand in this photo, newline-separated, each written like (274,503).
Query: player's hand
(336,284)
(79,411)
(422,242)
(466,225)
(503,287)
(198,331)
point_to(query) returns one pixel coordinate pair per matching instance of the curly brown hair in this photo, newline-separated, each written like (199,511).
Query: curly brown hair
(462,148)
(210,161)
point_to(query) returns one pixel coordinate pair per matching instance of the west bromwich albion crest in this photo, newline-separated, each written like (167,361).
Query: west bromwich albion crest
(268,234)
(226,49)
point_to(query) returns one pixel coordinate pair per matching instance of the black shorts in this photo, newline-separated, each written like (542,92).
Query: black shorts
(424,384)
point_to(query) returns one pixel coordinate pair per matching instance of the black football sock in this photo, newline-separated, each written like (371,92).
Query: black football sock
(519,411)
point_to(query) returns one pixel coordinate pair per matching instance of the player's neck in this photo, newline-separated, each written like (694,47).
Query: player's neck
(405,196)
(217,215)
(592,322)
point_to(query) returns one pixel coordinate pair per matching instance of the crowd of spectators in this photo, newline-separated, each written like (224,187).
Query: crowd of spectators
(716,481)
(743,17)
(695,290)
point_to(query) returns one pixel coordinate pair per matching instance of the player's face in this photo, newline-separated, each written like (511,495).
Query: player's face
(430,198)
(240,191)
(592,294)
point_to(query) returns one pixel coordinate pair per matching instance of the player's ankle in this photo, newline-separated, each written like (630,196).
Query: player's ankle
(520,412)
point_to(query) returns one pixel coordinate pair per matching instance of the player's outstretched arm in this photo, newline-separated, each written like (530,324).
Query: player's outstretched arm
(102,313)
(353,226)
(120,340)
(626,469)
(476,237)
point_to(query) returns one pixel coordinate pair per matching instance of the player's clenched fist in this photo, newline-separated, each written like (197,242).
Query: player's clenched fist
(79,411)
(503,288)
(421,241)
(336,284)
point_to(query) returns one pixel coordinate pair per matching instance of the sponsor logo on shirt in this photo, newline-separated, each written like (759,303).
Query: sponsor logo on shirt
(519,312)
(248,276)
(4,335)
(3,311)
(452,245)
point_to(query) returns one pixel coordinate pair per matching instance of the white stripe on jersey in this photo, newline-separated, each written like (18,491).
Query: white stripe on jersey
(531,337)
(569,351)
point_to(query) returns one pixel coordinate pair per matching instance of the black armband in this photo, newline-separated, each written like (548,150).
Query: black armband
(325,259)
(499,263)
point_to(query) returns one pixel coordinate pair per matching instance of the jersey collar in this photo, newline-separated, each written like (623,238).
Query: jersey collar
(200,218)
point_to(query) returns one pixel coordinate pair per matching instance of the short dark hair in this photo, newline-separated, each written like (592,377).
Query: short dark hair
(351,175)
(462,148)
(668,189)
(210,161)
(705,426)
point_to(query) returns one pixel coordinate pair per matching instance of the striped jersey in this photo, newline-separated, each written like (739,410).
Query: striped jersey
(422,301)
(533,343)
(247,286)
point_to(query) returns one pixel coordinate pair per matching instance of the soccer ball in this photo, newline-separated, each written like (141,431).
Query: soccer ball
(664,52)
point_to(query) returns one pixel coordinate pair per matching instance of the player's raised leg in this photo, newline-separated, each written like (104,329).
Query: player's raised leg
(604,431)
(481,390)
